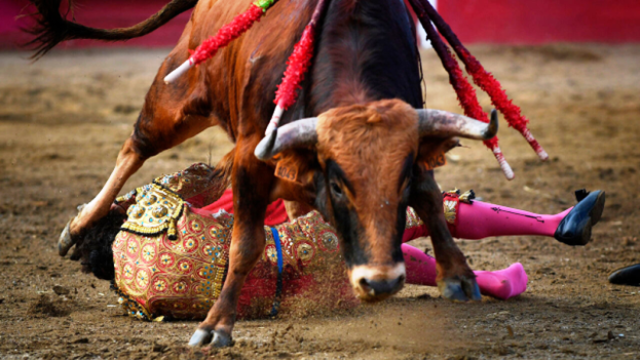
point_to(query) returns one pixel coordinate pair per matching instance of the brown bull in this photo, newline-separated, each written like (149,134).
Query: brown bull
(361,161)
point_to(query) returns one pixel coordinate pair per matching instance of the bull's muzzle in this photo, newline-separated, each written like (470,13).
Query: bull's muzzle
(375,283)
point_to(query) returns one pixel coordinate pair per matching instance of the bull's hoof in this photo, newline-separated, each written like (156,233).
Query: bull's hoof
(459,289)
(220,339)
(66,242)
(214,337)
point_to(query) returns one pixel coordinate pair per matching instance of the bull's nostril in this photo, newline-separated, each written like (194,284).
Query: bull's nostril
(364,285)
(380,287)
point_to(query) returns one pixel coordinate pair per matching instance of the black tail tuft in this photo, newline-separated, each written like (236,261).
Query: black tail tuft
(50,28)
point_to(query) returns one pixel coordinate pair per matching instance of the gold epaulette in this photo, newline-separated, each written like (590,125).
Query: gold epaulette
(157,210)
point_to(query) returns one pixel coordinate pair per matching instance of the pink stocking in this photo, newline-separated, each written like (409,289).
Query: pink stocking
(502,284)
(480,220)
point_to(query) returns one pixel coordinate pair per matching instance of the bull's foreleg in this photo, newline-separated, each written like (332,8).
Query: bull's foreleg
(251,185)
(455,279)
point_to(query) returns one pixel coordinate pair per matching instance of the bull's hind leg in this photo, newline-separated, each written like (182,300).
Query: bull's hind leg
(159,127)
(128,162)
(455,279)
(252,181)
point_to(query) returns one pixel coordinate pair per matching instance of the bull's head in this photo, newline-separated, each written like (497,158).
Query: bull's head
(362,177)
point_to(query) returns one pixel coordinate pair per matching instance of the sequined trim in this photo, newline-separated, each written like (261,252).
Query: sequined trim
(413,220)
(450,211)
(450,203)
(126,197)
(130,306)
(467,197)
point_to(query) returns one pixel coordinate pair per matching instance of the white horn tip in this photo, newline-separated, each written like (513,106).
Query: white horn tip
(264,149)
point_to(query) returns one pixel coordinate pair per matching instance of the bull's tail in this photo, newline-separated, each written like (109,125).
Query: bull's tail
(53,28)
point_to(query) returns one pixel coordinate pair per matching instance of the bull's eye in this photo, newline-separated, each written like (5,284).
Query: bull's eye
(407,189)
(335,189)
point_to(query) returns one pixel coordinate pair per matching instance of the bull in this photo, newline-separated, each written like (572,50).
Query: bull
(356,145)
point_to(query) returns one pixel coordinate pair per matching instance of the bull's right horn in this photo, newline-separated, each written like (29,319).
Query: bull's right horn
(438,123)
(299,133)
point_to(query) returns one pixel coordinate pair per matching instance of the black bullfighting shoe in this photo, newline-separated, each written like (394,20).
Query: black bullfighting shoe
(575,228)
(629,275)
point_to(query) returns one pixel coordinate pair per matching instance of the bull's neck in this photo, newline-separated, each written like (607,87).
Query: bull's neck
(366,51)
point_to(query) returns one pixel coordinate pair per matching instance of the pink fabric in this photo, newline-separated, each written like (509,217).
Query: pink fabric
(480,220)
(416,232)
(276,213)
(501,284)
(421,268)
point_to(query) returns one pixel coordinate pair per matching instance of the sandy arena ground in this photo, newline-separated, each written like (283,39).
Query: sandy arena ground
(63,119)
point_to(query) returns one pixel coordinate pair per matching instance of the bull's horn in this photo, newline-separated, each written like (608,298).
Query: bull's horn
(438,123)
(300,133)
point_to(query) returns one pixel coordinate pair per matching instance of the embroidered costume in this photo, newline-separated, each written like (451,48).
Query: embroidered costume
(171,258)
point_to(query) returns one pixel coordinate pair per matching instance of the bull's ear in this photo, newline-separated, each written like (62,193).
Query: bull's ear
(431,152)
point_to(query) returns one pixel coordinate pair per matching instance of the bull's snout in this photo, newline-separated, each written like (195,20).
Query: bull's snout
(375,283)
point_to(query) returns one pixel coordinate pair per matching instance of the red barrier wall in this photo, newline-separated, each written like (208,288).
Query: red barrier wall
(543,21)
(492,21)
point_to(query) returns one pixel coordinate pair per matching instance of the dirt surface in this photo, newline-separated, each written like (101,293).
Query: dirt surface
(63,119)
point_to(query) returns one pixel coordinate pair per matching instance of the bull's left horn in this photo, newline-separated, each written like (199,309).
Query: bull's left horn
(299,133)
(438,123)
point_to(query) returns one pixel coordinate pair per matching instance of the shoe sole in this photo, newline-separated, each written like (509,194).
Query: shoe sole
(586,233)
(598,208)
(594,216)
(629,275)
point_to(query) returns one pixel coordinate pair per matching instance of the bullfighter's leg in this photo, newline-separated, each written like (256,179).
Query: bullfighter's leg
(501,284)
(251,186)
(479,220)
(455,279)
(572,226)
